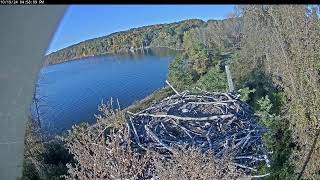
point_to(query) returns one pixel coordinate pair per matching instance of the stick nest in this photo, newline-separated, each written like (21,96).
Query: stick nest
(219,122)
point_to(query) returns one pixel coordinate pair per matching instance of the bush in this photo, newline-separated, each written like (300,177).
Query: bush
(43,159)
(191,163)
(105,151)
(213,80)
(179,74)
(278,140)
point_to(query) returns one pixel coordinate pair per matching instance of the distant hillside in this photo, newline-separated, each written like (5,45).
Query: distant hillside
(172,35)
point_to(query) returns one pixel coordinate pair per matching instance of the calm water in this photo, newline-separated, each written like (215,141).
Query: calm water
(71,92)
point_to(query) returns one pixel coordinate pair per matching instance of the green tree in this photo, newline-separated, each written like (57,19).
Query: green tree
(278,140)
(213,80)
(245,92)
(179,73)
(282,41)
(196,52)
(199,58)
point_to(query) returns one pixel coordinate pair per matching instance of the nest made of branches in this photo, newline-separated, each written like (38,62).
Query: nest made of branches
(215,121)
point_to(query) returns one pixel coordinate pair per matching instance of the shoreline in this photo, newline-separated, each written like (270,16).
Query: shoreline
(154,97)
(46,63)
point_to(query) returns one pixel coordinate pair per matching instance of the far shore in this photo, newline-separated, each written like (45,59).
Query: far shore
(132,50)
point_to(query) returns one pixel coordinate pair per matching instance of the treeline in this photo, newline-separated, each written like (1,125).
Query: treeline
(198,68)
(206,51)
(279,57)
(275,66)
(171,35)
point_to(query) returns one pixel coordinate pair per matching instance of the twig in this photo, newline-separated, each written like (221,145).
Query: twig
(156,138)
(246,167)
(260,176)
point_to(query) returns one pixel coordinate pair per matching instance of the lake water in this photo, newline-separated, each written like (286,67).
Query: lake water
(70,92)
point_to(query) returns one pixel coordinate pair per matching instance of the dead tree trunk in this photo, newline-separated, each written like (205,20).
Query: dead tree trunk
(229,78)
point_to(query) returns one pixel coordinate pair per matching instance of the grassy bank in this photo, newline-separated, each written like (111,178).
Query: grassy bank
(151,99)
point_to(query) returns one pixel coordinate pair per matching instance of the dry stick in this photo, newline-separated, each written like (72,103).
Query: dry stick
(249,157)
(172,96)
(198,88)
(210,118)
(210,97)
(192,131)
(207,103)
(164,127)
(154,137)
(267,160)
(128,128)
(118,104)
(208,138)
(260,176)
(173,88)
(183,128)
(221,110)
(246,167)
(136,135)
(100,133)
(196,98)
(265,156)
(131,113)
(247,139)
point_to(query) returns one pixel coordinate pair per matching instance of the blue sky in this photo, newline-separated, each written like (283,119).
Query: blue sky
(82,22)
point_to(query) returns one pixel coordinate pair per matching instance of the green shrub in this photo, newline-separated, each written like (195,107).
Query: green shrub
(213,80)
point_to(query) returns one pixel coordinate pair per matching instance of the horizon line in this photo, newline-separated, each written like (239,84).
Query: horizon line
(128,29)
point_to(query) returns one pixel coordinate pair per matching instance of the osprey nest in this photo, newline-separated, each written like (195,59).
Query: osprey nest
(215,121)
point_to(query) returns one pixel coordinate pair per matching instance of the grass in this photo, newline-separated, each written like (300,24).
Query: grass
(151,99)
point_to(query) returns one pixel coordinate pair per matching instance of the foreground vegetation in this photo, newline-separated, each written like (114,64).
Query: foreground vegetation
(104,151)
(273,52)
(44,158)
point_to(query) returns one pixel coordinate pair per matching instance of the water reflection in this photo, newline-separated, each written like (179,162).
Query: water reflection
(70,92)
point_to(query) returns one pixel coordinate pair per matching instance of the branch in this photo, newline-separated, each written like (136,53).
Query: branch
(210,118)
(172,88)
